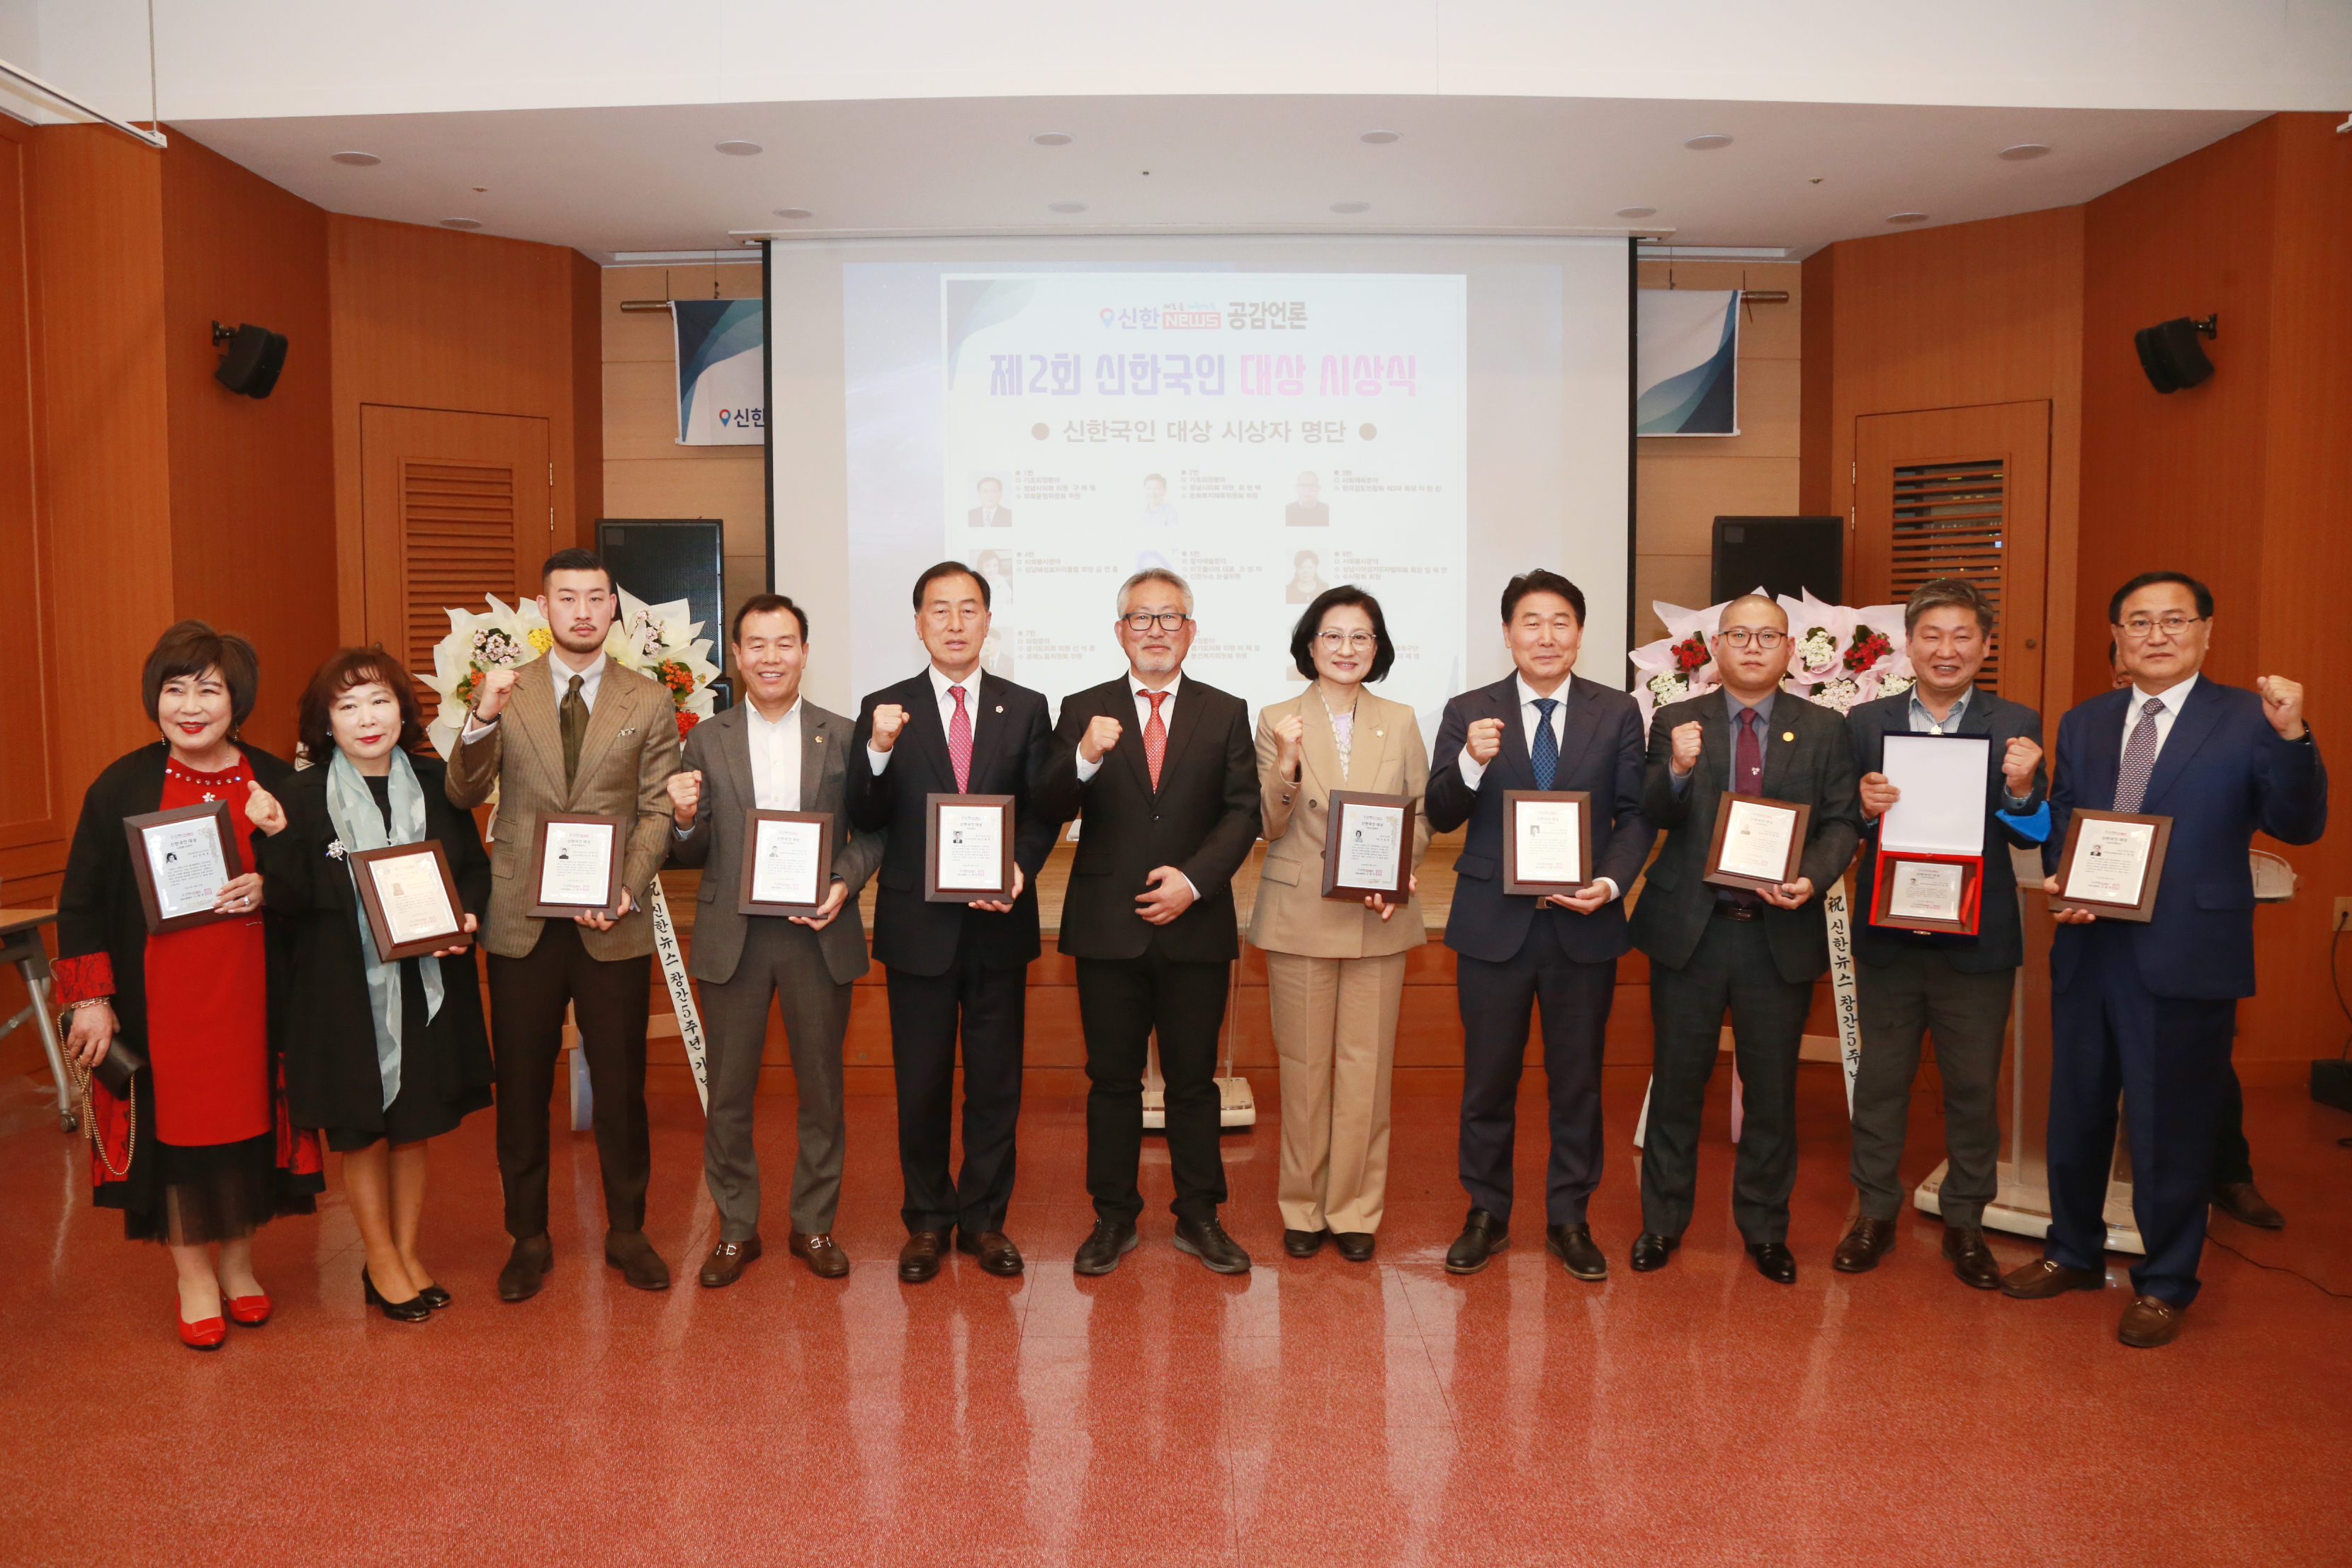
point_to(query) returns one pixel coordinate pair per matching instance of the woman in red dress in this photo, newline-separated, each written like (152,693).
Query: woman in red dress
(202,1152)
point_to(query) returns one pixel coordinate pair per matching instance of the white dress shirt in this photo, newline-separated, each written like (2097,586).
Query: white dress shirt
(1137,689)
(775,759)
(2172,701)
(941,686)
(589,678)
(1473,770)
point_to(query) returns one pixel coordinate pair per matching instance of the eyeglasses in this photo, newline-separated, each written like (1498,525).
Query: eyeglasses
(1764,637)
(1354,642)
(2139,628)
(1173,621)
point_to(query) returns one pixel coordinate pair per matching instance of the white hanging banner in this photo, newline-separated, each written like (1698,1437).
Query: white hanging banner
(1838,911)
(681,991)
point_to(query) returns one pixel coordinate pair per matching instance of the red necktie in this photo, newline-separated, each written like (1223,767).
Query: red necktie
(960,742)
(1155,738)
(1750,761)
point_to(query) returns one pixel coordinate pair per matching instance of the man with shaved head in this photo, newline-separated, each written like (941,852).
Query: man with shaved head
(1714,949)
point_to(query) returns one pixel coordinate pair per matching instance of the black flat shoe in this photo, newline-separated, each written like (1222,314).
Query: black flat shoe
(412,1310)
(1651,1251)
(1355,1246)
(1304,1243)
(434,1296)
(1573,1246)
(1774,1261)
(1482,1237)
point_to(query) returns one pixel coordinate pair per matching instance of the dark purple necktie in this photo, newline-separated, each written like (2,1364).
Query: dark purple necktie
(1748,763)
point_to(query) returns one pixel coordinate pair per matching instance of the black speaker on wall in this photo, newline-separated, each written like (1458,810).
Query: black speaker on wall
(2170,354)
(255,357)
(661,560)
(1782,555)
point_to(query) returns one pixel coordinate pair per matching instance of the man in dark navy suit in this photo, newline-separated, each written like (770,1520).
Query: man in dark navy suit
(954,968)
(2146,1011)
(1543,728)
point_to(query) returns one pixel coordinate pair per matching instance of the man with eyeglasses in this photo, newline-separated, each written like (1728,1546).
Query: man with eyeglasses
(1715,948)
(1166,773)
(2148,1011)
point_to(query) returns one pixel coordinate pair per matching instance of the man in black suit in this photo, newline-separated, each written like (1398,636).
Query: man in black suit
(953,968)
(1166,772)
(1543,728)
(2147,1010)
(1713,947)
(1912,982)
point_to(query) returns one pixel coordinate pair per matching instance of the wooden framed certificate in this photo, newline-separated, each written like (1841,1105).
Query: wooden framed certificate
(787,863)
(575,866)
(1547,841)
(968,849)
(1919,892)
(183,858)
(2112,863)
(410,899)
(1367,847)
(1758,841)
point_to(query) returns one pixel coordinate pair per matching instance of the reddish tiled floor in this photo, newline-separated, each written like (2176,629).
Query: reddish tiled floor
(1311,1413)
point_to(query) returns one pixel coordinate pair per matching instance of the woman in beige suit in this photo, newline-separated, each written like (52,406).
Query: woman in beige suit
(1334,970)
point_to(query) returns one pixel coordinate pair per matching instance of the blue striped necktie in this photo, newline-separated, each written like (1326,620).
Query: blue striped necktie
(1545,752)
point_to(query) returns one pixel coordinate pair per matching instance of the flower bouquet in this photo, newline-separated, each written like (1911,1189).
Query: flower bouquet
(1841,656)
(655,640)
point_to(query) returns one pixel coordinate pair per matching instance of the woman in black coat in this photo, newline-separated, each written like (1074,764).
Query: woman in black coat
(385,1058)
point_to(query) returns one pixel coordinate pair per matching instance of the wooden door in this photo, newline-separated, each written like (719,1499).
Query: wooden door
(453,507)
(1961,492)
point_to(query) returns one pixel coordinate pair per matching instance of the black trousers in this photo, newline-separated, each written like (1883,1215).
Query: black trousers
(1121,1002)
(2233,1157)
(1497,1001)
(987,1009)
(1732,967)
(610,999)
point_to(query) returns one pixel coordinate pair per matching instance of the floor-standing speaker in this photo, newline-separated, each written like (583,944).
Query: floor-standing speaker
(1792,555)
(661,560)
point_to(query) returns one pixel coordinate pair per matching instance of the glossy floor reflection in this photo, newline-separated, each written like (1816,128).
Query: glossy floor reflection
(1320,1411)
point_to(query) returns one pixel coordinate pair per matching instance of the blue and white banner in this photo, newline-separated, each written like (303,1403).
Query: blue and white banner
(1688,383)
(720,399)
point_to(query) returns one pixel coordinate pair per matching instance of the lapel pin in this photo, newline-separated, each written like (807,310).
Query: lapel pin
(820,740)
(1788,734)
(1000,708)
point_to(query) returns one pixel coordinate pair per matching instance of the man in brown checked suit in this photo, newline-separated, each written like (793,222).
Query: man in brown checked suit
(573,732)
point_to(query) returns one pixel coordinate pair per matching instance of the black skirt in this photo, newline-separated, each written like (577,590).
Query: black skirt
(427,1106)
(214,1192)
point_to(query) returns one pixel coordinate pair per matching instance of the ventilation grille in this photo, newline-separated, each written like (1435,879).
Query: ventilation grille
(459,537)
(1947,523)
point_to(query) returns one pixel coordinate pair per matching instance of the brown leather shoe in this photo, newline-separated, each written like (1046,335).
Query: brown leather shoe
(2041,1279)
(725,1264)
(919,1259)
(2243,1202)
(826,1259)
(634,1256)
(993,1248)
(1972,1261)
(2147,1322)
(527,1268)
(1865,1245)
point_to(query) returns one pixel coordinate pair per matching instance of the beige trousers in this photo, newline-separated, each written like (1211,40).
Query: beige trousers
(1335,1024)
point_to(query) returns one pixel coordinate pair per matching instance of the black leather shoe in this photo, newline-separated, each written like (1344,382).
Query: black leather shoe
(1774,1261)
(994,1249)
(526,1268)
(1105,1245)
(1865,1245)
(1482,1237)
(1651,1251)
(1206,1239)
(1572,1245)
(634,1256)
(1355,1246)
(1304,1243)
(919,1259)
(2243,1202)
(412,1310)
(434,1296)
(1972,1261)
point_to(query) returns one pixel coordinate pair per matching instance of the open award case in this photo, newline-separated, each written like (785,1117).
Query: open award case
(1931,843)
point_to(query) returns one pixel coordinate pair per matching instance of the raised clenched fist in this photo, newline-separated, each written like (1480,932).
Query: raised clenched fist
(2017,765)
(1102,734)
(2283,704)
(1485,741)
(1687,744)
(262,810)
(492,698)
(685,797)
(889,718)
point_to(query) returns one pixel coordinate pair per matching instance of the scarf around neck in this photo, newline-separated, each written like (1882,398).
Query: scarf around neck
(351,807)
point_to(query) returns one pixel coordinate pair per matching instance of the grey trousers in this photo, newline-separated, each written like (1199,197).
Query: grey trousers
(780,960)
(1900,1003)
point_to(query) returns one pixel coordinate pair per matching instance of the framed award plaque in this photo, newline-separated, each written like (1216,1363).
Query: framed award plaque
(410,899)
(1547,841)
(182,859)
(1931,862)
(968,849)
(787,863)
(1367,847)
(575,866)
(2112,863)
(1758,841)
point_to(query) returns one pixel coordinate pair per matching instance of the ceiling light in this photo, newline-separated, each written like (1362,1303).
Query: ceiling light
(369,160)
(1066,206)
(459,224)
(1351,207)
(1637,211)
(1053,139)
(2024,151)
(1707,143)
(1906,217)
(794,213)
(741,148)
(1382,138)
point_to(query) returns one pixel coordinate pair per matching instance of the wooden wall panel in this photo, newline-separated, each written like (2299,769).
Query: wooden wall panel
(587,282)
(33,808)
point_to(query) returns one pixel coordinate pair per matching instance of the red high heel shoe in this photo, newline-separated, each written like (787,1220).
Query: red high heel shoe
(249,1312)
(206,1334)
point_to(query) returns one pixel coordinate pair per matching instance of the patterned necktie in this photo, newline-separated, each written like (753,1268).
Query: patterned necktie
(1545,752)
(1155,738)
(574,716)
(1748,763)
(960,742)
(2139,758)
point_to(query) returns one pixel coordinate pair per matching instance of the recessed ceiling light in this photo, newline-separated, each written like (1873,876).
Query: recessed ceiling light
(369,160)
(1351,207)
(794,213)
(1637,211)
(2024,151)
(1382,138)
(1053,139)
(1066,206)
(1707,143)
(1906,217)
(741,148)
(459,224)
